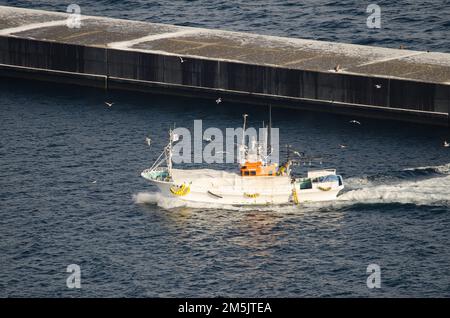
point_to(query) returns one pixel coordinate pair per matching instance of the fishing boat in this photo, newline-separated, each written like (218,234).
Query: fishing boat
(257,181)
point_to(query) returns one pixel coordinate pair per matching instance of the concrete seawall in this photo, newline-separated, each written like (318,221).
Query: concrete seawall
(122,54)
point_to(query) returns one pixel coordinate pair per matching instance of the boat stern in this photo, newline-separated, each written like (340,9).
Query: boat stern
(320,185)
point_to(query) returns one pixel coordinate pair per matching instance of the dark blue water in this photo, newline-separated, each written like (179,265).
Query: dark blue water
(419,25)
(57,140)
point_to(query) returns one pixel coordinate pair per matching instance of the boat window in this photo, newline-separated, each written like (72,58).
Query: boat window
(330,178)
(305,184)
(270,173)
(253,173)
(246,173)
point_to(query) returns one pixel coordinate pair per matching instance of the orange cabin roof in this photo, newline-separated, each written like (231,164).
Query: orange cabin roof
(258,169)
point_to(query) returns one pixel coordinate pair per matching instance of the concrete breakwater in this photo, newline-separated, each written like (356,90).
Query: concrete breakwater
(305,74)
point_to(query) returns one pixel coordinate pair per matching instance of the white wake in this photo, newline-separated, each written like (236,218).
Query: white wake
(433,191)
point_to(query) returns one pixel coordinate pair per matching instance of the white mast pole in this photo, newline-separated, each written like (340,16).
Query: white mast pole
(242,152)
(169,152)
(243,129)
(269,133)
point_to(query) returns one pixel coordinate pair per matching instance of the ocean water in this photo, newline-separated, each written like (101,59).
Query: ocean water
(417,25)
(70,190)
(57,140)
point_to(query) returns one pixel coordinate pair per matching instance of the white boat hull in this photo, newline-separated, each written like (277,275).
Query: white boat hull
(232,189)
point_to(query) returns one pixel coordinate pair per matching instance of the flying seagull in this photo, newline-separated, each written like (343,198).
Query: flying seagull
(378,86)
(181,59)
(446,144)
(354,122)
(219,100)
(108,104)
(301,155)
(343,146)
(148,141)
(95,181)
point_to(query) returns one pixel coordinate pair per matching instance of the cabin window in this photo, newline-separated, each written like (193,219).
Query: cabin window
(253,173)
(246,173)
(305,184)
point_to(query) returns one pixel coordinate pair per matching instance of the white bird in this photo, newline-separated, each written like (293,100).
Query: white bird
(109,104)
(446,144)
(181,59)
(219,100)
(301,155)
(343,146)
(354,122)
(148,141)
(95,181)
(337,68)
(378,86)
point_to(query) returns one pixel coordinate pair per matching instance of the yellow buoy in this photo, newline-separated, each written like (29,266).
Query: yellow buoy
(180,190)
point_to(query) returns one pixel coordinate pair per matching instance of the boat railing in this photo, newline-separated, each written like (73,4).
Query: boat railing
(156,174)
(157,169)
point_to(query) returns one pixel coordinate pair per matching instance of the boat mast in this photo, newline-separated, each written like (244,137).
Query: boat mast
(262,150)
(269,134)
(242,152)
(169,152)
(243,130)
